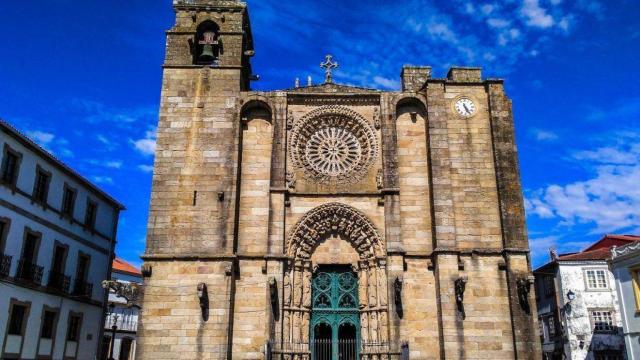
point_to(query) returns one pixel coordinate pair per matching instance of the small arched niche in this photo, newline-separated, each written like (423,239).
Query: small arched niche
(207,46)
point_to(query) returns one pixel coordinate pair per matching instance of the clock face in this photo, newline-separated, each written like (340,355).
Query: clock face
(465,107)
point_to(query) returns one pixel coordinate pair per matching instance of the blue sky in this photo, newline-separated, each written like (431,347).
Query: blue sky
(83,79)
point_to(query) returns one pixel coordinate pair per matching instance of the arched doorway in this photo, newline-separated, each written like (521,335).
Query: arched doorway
(365,308)
(335,314)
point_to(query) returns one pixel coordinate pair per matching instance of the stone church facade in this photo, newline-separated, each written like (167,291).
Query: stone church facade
(329,218)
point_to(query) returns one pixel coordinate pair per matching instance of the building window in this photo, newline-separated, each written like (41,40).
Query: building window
(68,201)
(552,326)
(90,214)
(549,286)
(4,232)
(28,269)
(10,166)
(41,186)
(635,279)
(73,331)
(596,279)
(607,355)
(57,278)
(18,320)
(602,320)
(48,324)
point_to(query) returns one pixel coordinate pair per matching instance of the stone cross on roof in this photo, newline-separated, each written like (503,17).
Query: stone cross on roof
(328,65)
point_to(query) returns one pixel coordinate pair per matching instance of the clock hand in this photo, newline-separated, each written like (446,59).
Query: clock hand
(466,108)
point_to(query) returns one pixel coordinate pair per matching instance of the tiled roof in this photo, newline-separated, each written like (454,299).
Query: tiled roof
(119,265)
(598,254)
(601,249)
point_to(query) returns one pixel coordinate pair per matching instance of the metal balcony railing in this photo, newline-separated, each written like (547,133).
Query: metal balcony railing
(5,265)
(82,288)
(347,349)
(59,281)
(30,272)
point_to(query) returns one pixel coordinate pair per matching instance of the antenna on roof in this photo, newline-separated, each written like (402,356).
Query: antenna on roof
(297,83)
(309,82)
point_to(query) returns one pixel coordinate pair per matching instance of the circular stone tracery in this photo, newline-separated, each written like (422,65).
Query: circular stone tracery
(333,151)
(333,144)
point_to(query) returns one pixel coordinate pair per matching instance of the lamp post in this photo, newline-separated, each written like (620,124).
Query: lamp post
(114,327)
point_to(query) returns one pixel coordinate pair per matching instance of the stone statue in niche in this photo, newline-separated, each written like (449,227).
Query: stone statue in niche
(373,325)
(287,289)
(382,288)
(372,282)
(364,326)
(305,326)
(286,326)
(297,281)
(383,326)
(362,287)
(306,296)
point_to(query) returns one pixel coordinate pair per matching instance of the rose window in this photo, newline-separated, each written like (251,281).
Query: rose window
(333,145)
(333,151)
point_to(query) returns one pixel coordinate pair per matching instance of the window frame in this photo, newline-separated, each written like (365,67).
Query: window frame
(13,183)
(74,196)
(35,193)
(593,320)
(54,326)
(597,288)
(15,302)
(4,232)
(28,231)
(635,283)
(90,221)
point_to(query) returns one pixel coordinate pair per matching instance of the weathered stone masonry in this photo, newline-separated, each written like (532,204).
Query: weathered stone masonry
(253,192)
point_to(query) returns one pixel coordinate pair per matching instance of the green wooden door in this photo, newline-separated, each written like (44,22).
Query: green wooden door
(335,317)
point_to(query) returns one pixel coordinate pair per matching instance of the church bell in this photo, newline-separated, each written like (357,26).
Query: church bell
(207,53)
(208,42)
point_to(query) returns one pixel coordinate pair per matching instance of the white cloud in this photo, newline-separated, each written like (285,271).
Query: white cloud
(535,15)
(145,168)
(44,139)
(609,200)
(113,164)
(102,179)
(386,83)
(147,145)
(498,23)
(543,135)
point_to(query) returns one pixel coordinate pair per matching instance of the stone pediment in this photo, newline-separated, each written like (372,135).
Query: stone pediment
(331,88)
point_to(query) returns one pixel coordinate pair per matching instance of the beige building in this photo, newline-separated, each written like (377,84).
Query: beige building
(330,221)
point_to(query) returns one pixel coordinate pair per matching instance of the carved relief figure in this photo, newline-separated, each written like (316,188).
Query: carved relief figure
(287,289)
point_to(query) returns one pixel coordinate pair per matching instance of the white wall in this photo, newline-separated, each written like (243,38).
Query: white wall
(630,318)
(54,228)
(578,323)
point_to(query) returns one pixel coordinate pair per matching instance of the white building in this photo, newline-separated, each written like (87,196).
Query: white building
(625,265)
(125,317)
(578,305)
(57,234)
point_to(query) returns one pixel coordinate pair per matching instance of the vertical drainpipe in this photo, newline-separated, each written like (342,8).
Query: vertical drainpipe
(105,296)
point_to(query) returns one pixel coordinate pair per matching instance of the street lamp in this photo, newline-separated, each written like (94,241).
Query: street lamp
(571,295)
(114,327)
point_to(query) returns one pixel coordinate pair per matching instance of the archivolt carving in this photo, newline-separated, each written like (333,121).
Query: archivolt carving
(333,143)
(334,218)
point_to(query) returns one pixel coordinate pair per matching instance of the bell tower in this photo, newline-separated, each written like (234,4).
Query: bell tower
(191,215)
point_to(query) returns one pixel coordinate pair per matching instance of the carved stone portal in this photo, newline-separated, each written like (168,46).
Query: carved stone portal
(349,224)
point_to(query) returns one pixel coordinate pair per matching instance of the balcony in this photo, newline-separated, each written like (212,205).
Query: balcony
(59,281)
(5,265)
(29,272)
(82,288)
